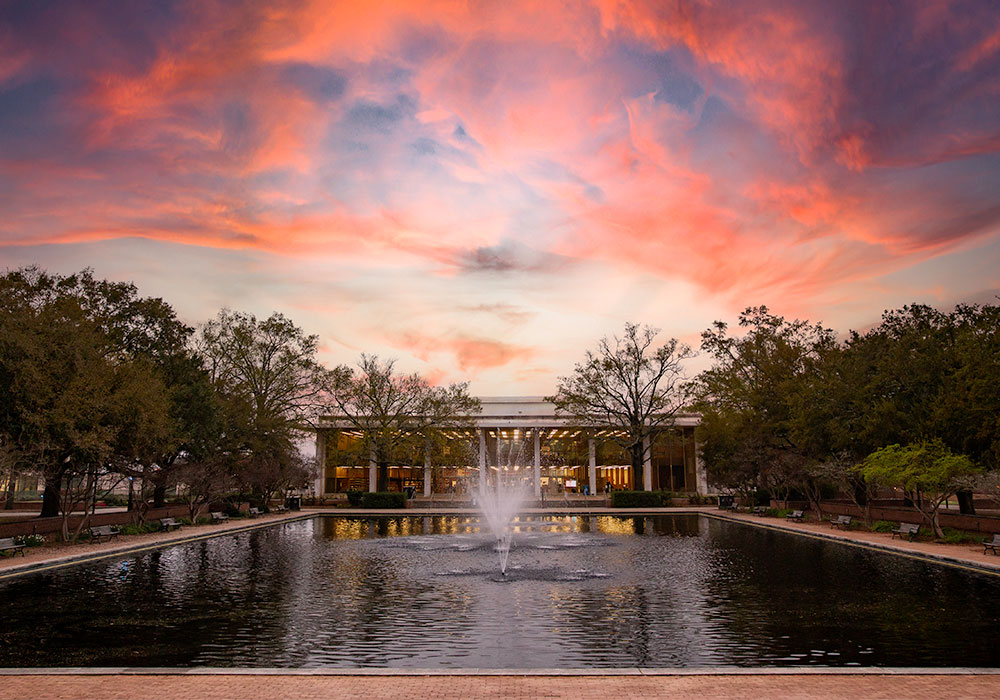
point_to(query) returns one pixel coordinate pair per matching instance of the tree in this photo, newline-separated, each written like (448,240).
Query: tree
(204,480)
(630,386)
(928,472)
(747,399)
(390,409)
(78,372)
(267,374)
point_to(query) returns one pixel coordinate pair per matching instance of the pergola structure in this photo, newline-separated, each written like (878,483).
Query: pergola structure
(532,425)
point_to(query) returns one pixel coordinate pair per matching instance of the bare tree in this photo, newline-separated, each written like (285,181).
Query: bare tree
(389,408)
(629,386)
(202,482)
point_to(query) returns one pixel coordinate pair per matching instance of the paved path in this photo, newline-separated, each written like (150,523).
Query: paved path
(701,687)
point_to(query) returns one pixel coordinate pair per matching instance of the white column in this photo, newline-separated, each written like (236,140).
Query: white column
(499,463)
(592,465)
(427,469)
(537,470)
(647,465)
(482,460)
(319,487)
(372,471)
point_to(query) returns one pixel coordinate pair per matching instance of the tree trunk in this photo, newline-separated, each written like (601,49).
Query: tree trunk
(637,465)
(8,501)
(159,495)
(51,496)
(938,532)
(382,483)
(965,504)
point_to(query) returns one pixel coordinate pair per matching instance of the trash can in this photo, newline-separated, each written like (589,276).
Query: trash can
(725,501)
(293,503)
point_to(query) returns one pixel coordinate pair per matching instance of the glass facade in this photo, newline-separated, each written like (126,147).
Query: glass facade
(564,461)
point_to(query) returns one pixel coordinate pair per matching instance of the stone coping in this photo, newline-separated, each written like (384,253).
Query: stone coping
(528,672)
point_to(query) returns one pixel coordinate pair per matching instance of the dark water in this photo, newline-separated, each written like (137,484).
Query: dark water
(604,591)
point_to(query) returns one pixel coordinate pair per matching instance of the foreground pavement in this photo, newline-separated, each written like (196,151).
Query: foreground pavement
(466,687)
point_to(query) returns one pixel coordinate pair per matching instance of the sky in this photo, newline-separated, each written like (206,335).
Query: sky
(482,190)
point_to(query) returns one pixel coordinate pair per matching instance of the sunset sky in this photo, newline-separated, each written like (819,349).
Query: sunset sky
(484,189)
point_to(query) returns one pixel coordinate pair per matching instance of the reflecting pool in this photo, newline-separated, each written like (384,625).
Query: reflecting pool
(425,592)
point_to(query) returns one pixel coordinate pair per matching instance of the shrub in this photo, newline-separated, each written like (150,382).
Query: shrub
(30,540)
(384,499)
(883,526)
(636,499)
(354,498)
(113,499)
(140,529)
(953,536)
(696,499)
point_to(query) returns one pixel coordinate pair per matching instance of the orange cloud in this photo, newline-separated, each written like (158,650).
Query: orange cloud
(471,354)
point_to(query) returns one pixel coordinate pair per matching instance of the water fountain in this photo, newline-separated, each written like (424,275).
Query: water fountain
(500,498)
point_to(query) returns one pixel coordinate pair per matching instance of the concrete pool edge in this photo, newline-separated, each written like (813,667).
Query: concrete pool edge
(540,672)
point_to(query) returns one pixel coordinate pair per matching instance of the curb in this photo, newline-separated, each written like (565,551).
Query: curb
(586,672)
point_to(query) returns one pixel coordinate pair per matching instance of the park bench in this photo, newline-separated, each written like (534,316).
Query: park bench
(168,524)
(255,511)
(278,509)
(991,544)
(795,515)
(100,532)
(841,521)
(760,510)
(7,544)
(219,517)
(908,529)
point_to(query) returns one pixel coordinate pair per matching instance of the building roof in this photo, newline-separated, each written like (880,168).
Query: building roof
(520,412)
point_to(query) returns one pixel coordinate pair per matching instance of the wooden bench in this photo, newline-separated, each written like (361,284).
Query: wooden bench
(278,509)
(841,521)
(255,511)
(168,524)
(219,517)
(760,510)
(101,532)
(7,544)
(795,515)
(991,544)
(908,529)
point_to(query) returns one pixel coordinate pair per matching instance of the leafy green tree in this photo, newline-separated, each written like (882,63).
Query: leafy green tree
(392,410)
(928,472)
(267,374)
(747,399)
(78,365)
(630,385)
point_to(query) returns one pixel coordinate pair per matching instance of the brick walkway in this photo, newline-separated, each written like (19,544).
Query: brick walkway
(273,687)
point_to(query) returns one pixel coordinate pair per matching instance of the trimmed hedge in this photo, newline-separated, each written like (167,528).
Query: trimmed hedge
(636,499)
(354,498)
(384,499)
